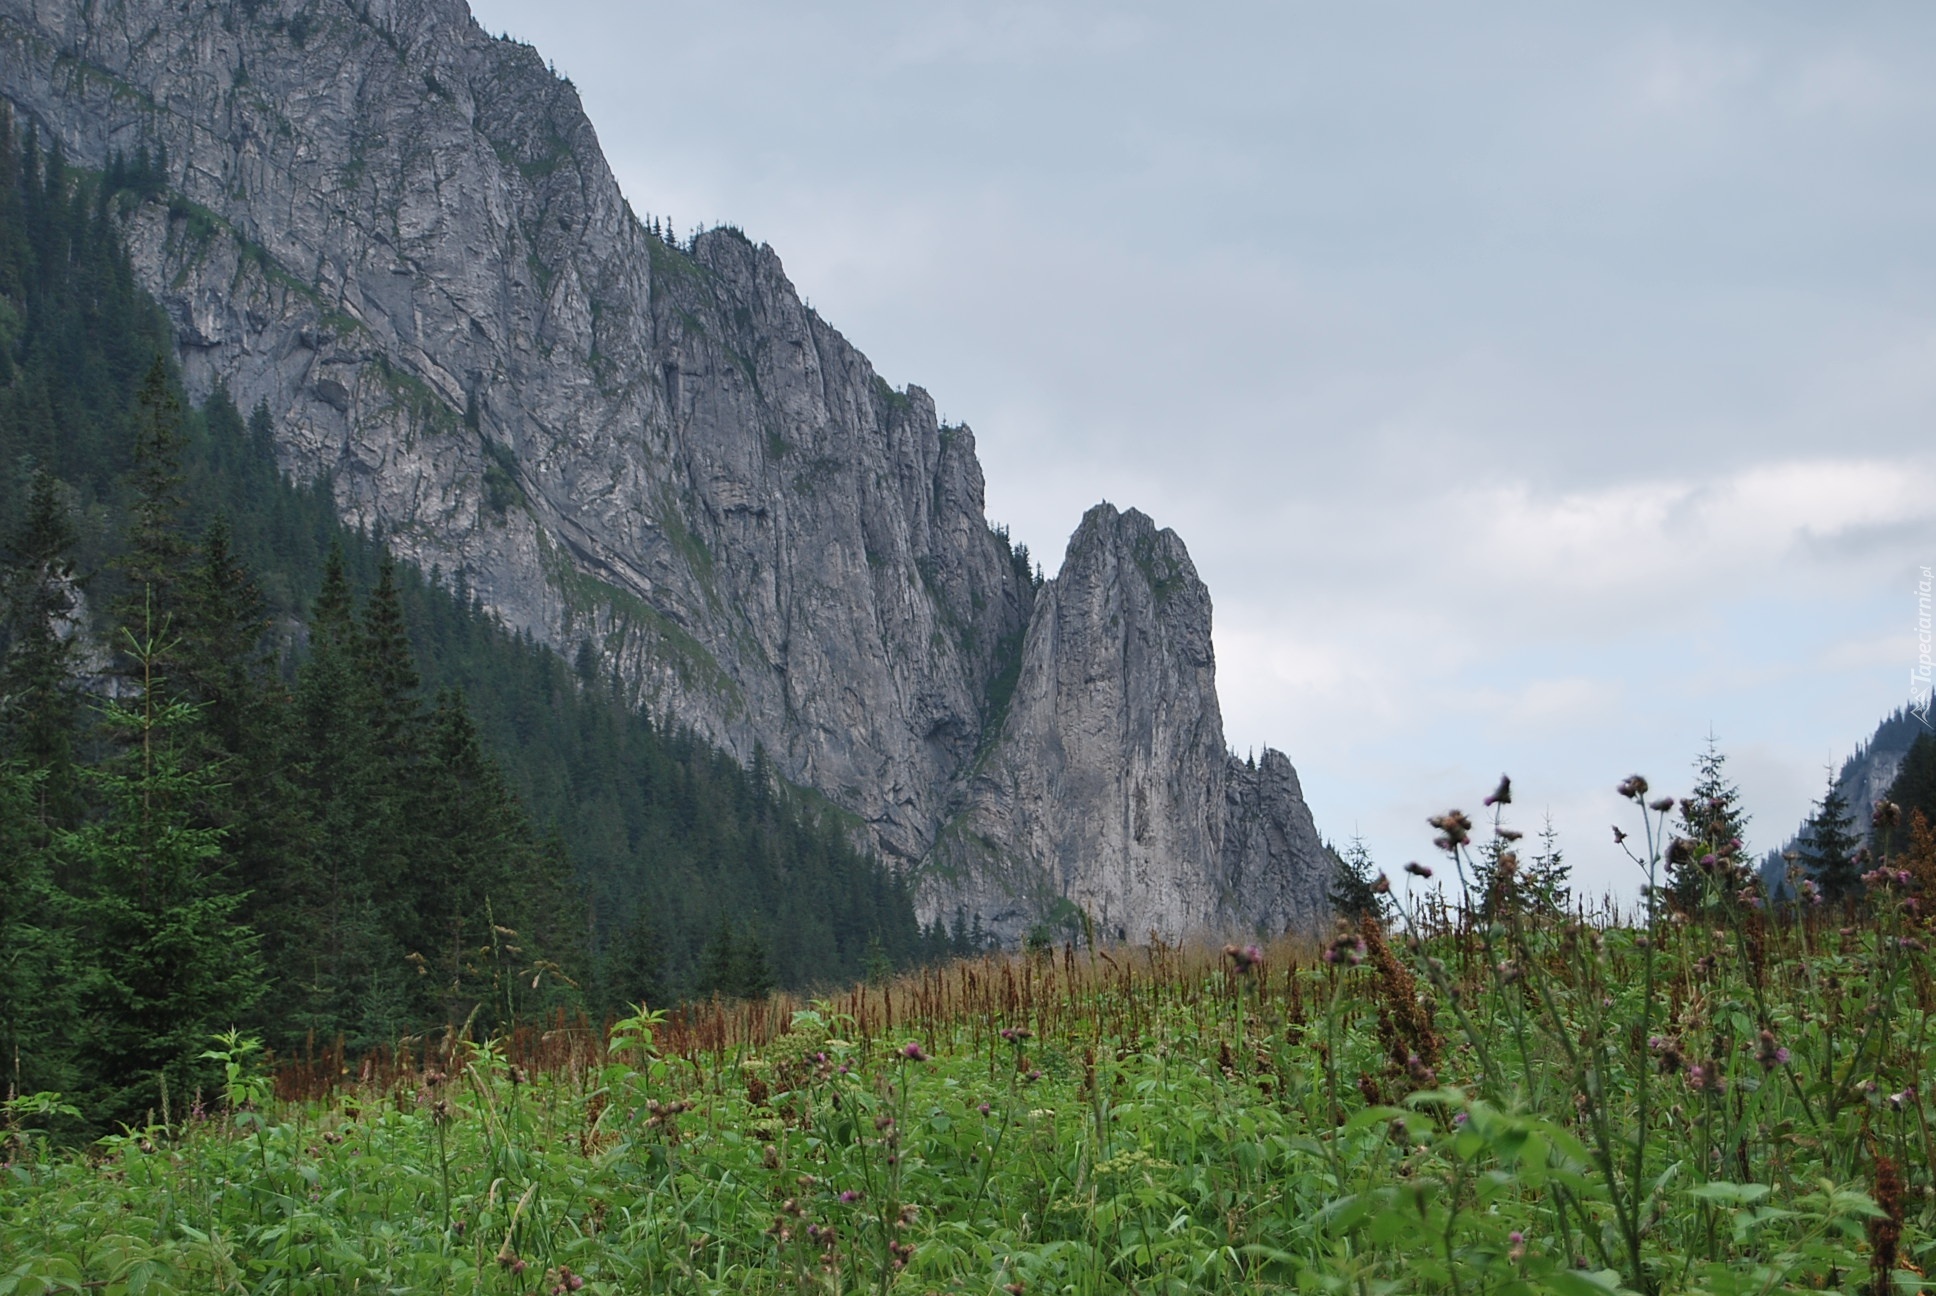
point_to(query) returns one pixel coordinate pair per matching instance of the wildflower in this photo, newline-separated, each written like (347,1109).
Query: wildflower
(1417,869)
(1517,1251)
(1887,814)
(1501,795)
(983,1109)
(1347,948)
(1633,787)
(1669,1050)
(913,1053)
(1016,1034)
(1898,1101)
(1661,804)
(1619,835)
(1245,959)
(1705,1077)
(1420,1074)
(1509,972)
(1509,834)
(1769,1053)
(849,1195)
(1454,829)
(1382,886)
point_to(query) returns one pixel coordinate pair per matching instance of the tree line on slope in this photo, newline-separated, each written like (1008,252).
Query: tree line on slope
(252,771)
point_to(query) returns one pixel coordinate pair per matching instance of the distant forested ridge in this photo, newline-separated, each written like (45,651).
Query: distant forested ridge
(253,772)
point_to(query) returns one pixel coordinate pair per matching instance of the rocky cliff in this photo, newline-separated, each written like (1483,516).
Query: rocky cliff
(400,234)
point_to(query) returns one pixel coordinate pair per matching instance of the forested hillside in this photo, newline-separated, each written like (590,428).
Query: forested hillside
(254,772)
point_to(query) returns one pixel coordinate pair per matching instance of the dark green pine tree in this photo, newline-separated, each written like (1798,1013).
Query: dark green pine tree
(715,973)
(40,705)
(1915,784)
(1353,883)
(159,552)
(1715,828)
(635,967)
(225,666)
(170,964)
(345,970)
(489,898)
(1828,847)
(38,976)
(1546,878)
(752,971)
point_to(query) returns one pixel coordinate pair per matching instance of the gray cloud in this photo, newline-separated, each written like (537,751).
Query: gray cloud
(1535,385)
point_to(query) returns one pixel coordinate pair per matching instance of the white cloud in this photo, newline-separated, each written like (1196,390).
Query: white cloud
(1534,386)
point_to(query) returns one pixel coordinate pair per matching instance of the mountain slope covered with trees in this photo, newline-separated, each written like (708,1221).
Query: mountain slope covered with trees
(252,770)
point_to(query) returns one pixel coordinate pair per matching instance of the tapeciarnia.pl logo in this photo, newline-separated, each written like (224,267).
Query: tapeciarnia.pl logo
(1919,676)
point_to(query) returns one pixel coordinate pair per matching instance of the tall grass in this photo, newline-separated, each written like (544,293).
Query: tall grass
(1480,1100)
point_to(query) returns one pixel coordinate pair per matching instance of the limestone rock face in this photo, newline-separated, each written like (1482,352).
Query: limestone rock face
(1109,793)
(399,233)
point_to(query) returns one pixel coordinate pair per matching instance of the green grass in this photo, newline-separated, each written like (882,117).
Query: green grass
(1526,1103)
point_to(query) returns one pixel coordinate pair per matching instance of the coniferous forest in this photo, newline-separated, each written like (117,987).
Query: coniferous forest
(255,773)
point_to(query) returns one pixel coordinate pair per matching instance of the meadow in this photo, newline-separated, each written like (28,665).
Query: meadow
(1724,1097)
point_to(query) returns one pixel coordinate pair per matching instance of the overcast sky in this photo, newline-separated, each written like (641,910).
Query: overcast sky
(1535,385)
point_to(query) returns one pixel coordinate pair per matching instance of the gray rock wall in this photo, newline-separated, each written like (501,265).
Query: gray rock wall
(400,234)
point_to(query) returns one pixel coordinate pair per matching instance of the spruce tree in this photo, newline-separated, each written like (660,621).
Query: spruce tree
(1828,846)
(159,551)
(1547,878)
(1712,822)
(38,975)
(170,963)
(349,974)
(39,697)
(1914,787)
(1353,881)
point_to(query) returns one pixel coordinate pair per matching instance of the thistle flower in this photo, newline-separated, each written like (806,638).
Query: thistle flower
(1417,869)
(1501,795)
(1769,1053)
(1454,829)
(1420,1074)
(1245,959)
(1887,814)
(1619,835)
(1633,787)
(1382,886)
(1705,1077)
(1661,804)
(912,1052)
(1346,948)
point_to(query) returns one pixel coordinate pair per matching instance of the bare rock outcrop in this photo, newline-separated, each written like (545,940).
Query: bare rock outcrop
(399,234)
